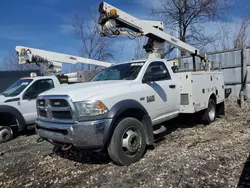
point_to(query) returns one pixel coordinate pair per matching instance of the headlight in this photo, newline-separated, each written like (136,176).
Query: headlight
(90,108)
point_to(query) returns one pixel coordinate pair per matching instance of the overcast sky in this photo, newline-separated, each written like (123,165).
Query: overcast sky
(43,23)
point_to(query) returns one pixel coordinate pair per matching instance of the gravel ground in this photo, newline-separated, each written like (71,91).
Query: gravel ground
(186,155)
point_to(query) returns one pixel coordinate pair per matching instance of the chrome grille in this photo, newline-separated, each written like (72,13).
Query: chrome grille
(58,103)
(41,102)
(42,113)
(56,109)
(62,115)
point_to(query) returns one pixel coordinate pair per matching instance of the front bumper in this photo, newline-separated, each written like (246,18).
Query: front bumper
(90,134)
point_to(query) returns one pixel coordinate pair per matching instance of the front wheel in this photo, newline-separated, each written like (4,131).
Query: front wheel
(6,133)
(128,142)
(210,113)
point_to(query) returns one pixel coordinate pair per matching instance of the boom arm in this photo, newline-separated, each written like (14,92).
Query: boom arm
(52,60)
(112,20)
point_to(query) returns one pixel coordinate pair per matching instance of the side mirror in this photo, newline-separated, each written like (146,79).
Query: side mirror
(154,76)
(175,68)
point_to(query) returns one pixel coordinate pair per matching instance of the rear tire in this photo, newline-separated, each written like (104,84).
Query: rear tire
(210,113)
(6,134)
(128,142)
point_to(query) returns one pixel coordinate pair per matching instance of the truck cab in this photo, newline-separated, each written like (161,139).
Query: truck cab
(151,83)
(18,103)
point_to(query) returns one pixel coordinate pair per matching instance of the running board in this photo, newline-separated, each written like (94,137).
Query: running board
(160,130)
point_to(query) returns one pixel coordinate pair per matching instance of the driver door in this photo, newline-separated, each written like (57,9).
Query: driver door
(162,93)
(28,103)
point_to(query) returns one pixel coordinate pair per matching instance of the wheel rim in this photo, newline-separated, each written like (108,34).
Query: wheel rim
(211,112)
(131,141)
(5,134)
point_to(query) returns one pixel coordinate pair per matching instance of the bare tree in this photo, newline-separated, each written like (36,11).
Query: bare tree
(225,38)
(233,35)
(93,46)
(10,63)
(241,35)
(139,52)
(222,39)
(119,52)
(187,17)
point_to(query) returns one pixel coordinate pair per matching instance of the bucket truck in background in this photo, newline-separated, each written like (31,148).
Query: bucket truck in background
(51,60)
(18,102)
(120,107)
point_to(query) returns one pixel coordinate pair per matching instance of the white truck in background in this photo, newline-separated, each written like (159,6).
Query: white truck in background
(18,102)
(118,109)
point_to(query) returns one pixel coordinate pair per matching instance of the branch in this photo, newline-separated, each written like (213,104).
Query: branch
(169,50)
(240,38)
(189,13)
(93,45)
(10,62)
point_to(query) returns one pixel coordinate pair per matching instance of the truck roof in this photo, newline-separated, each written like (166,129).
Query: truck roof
(37,77)
(141,60)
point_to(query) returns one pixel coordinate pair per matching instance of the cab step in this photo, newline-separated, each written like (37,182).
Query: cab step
(160,130)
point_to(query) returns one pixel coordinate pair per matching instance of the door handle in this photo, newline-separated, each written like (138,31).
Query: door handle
(172,86)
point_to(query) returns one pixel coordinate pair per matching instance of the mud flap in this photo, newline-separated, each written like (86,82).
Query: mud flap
(221,109)
(228,91)
(149,130)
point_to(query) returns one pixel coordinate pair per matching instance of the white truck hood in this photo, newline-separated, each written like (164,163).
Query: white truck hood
(2,99)
(88,90)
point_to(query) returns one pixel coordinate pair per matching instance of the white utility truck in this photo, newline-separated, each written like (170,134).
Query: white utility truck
(118,109)
(18,102)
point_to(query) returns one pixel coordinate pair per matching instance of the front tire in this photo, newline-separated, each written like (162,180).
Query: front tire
(128,142)
(210,113)
(6,134)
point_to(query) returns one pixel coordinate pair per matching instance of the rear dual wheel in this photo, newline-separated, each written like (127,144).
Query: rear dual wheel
(210,113)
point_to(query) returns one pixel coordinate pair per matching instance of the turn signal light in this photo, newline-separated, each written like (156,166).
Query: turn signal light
(113,12)
(101,105)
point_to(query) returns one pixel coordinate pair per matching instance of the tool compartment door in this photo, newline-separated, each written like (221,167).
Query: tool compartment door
(186,92)
(197,87)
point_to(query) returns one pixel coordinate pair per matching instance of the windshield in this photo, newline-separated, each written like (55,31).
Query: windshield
(127,71)
(16,88)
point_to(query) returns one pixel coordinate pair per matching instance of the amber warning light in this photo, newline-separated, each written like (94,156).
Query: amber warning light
(113,12)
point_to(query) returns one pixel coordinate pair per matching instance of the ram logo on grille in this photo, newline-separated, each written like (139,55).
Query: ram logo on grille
(48,111)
